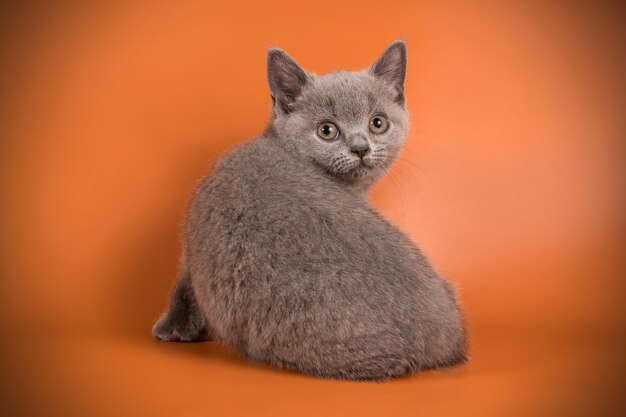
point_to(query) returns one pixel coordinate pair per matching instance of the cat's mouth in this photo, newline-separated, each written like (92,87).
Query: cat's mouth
(354,169)
(359,169)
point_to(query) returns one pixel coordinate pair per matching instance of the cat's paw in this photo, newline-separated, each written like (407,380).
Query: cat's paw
(166,329)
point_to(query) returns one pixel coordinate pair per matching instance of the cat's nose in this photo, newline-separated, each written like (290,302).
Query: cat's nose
(359,146)
(360,151)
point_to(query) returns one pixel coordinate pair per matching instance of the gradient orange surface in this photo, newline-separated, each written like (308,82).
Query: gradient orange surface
(512,182)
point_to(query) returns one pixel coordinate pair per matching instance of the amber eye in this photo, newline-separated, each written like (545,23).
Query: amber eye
(379,124)
(327,131)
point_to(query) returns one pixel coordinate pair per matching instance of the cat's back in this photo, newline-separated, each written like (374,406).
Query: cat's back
(293,266)
(268,221)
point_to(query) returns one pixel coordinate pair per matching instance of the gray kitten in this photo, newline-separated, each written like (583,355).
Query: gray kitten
(286,262)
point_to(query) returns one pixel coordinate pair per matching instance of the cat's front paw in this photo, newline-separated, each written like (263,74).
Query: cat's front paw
(166,329)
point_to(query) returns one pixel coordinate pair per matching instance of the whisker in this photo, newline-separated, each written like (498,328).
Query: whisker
(399,158)
(402,195)
(410,176)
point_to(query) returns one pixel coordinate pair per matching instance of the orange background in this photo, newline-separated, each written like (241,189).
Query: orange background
(513,184)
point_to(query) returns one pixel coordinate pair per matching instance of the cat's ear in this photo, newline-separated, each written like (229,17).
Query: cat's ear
(285,77)
(391,67)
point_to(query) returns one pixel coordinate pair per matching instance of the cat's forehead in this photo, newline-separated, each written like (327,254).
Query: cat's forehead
(345,95)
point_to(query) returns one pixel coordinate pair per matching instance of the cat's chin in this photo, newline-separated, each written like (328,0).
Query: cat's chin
(357,173)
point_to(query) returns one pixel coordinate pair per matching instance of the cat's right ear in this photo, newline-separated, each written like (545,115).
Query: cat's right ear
(391,68)
(285,77)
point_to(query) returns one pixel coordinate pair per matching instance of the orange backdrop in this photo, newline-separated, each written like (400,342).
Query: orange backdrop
(512,182)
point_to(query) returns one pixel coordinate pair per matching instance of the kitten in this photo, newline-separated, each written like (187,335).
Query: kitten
(286,262)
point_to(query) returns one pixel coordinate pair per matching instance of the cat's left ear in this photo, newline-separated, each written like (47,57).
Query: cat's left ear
(286,78)
(391,67)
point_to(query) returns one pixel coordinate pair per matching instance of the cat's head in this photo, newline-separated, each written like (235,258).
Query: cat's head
(352,124)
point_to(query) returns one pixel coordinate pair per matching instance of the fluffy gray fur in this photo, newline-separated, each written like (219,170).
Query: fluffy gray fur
(285,260)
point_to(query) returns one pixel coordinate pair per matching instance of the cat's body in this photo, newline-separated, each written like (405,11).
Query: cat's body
(286,262)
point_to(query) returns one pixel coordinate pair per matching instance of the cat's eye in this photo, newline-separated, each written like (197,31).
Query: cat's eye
(379,124)
(327,131)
